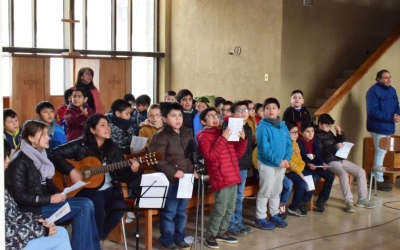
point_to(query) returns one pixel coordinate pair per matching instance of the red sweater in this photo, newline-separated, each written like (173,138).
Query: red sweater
(75,121)
(220,157)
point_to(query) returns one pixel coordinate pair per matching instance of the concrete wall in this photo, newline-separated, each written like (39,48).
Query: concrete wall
(319,42)
(350,113)
(203,32)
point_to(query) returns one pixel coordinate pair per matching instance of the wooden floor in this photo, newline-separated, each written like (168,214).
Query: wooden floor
(377,228)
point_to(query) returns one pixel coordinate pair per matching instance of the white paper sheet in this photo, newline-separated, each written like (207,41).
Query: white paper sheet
(310,182)
(185,188)
(153,187)
(59,213)
(74,187)
(236,125)
(138,143)
(321,166)
(345,150)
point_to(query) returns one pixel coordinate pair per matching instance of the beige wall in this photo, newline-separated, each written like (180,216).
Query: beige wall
(203,32)
(319,42)
(350,113)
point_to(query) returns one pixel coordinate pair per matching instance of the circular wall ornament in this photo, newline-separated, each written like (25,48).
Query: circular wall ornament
(237,50)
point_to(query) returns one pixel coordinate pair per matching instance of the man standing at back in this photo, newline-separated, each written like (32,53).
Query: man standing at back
(382,112)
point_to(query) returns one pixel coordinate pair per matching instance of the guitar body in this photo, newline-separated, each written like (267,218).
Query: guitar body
(84,166)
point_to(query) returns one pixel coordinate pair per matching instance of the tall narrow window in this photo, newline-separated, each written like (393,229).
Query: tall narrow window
(143,25)
(23,23)
(79,15)
(99,24)
(4,24)
(122,24)
(142,76)
(49,25)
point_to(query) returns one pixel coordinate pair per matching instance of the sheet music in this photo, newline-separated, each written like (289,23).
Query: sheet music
(236,125)
(310,182)
(185,188)
(153,187)
(138,143)
(322,166)
(64,210)
(345,150)
(74,187)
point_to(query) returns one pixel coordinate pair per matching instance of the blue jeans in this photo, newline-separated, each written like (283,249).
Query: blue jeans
(109,207)
(57,241)
(84,233)
(379,154)
(237,216)
(173,218)
(286,189)
(300,192)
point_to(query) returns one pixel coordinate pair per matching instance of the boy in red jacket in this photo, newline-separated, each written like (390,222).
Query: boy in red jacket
(221,159)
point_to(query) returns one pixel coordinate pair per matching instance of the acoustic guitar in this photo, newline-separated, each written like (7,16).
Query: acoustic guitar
(92,170)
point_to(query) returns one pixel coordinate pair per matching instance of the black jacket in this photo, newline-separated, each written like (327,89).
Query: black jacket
(25,185)
(327,144)
(77,150)
(291,115)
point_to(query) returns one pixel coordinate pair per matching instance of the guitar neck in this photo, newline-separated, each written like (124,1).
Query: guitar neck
(110,167)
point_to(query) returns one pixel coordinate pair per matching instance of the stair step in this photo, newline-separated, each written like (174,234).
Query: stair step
(329,92)
(338,82)
(348,72)
(320,101)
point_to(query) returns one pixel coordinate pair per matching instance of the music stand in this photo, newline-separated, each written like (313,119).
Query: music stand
(154,188)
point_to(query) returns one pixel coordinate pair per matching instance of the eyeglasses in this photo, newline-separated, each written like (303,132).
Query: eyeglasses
(294,132)
(212,116)
(154,116)
(241,111)
(225,110)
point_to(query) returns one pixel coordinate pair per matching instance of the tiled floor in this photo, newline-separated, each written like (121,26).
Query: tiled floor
(377,228)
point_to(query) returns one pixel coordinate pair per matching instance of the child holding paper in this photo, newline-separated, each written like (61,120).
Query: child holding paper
(296,173)
(30,184)
(171,141)
(221,158)
(310,153)
(329,145)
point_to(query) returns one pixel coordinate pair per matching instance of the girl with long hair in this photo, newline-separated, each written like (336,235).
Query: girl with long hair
(107,198)
(29,181)
(84,79)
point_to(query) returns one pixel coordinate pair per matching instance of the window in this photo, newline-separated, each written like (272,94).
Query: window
(133,20)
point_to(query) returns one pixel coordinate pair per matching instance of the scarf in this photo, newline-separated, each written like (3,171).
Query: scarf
(39,158)
(119,122)
(275,122)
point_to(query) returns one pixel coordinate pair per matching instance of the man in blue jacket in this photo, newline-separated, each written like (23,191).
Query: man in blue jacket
(382,112)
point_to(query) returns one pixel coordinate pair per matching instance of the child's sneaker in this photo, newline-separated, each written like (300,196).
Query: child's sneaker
(264,224)
(183,246)
(296,212)
(235,231)
(211,242)
(319,207)
(365,203)
(171,247)
(244,227)
(277,221)
(303,207)
(226,237)
(349,207)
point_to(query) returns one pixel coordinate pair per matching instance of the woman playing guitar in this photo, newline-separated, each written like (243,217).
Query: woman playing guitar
(107,197)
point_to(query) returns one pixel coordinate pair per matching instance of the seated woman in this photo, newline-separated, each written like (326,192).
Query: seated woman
(25,231)
(29,182)
(107,198)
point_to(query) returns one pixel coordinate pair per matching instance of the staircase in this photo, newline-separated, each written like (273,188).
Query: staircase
(329,91)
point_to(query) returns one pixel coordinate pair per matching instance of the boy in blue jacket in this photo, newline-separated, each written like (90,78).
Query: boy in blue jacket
(274,153)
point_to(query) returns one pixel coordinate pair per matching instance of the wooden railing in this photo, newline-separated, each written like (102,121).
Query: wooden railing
(358,74)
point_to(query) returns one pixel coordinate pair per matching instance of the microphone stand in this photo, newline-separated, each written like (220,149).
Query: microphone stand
(200,171)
